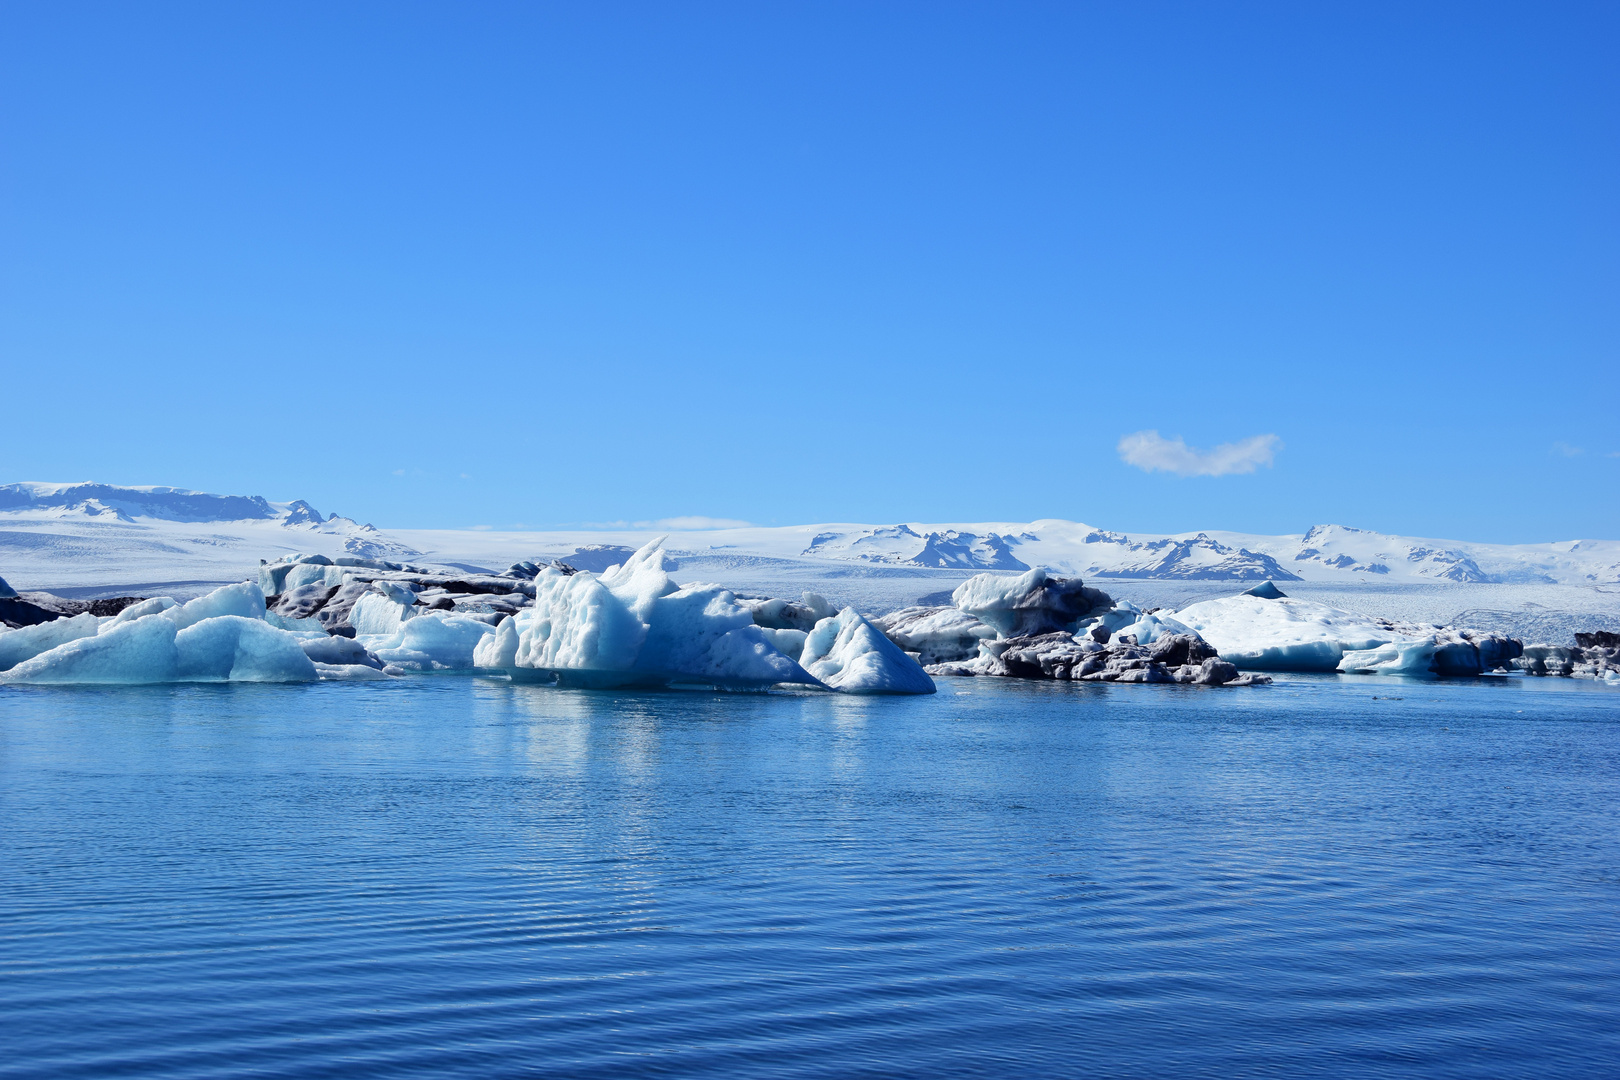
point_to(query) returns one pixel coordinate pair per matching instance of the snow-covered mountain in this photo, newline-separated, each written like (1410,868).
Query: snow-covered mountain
(157,503)
(70,534)
(82,535)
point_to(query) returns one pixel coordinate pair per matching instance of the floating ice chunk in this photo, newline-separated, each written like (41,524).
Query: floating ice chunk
(1266,590)
(1030,603)
(396,592)
(634,626)
(233,648)
(577,624)
(29,641)
(340,651)
(245,599)
(1150,628)
(296,626)
(6,591)
(1258,634)
(498,650)
(376,614)
(434,642)
(1392,658)
(849,654)
(350,673)
(778,614)
(938,635)
(142,651)
(312,574)
(788,642)
(143,609)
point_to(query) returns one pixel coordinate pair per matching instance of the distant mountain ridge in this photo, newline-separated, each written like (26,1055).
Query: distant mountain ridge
(160,503)
(87,526)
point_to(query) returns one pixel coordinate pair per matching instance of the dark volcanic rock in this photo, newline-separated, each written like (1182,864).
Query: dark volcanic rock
(302,602)
(1180,658)
(19,613)
(113,605)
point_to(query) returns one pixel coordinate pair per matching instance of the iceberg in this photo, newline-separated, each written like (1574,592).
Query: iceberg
(219,637)
(1148,628)
(143,608)
(1258,634)
(29,641)
(245,600)
(849,654)
(1286,634)
(633,626)
(1414,657)
(339,652)
(777,614)
(140,651)
(938,635)
(378,615)
(234,648)
(433,642)
(1030,603)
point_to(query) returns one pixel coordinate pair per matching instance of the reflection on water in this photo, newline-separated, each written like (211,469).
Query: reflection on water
(466,877)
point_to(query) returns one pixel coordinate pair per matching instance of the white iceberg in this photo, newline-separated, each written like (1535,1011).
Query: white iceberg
(433,642)
(29,641)
(1406,657)
(234,648)
(220,637)
(1258,634)
(633,626)
(1028,603)
(377,615)
(140,651)
(1149,628)
(245,600)
(849,654)
(938,635)
(144,608)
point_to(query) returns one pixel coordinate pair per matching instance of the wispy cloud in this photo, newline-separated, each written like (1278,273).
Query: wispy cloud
(1567,450)
(1150,452)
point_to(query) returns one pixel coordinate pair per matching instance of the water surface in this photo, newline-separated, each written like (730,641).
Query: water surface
(463,877)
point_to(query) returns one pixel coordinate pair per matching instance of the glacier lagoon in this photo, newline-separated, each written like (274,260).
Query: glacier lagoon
(464,876)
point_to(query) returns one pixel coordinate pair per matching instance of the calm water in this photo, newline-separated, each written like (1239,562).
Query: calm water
(461,877)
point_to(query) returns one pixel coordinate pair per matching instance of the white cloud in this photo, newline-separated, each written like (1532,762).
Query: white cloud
(1567,450)
(1150,451)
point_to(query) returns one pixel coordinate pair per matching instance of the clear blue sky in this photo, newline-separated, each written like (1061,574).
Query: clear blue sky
(455,265)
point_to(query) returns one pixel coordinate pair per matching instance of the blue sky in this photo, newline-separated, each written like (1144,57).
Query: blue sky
(440,265)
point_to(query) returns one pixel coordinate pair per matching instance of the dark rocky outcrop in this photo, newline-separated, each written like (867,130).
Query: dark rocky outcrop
(1178,658)
(17,613)
(112,605)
